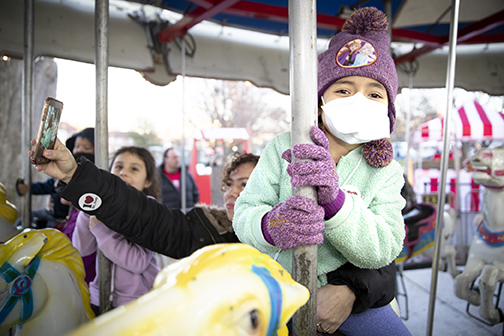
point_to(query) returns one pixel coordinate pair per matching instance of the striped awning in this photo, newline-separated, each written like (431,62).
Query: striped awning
(470,122)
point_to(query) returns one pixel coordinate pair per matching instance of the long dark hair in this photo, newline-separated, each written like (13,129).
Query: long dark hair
(154,189)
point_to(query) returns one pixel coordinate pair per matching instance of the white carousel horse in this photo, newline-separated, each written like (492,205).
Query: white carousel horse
(447,251)
(486,253)
(42,288)
(223,289)
(8,216)
(420,225)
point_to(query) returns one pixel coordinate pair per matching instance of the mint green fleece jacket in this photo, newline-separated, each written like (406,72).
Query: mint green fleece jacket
(368,231)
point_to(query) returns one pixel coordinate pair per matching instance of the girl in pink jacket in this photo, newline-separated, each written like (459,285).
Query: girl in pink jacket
(134,268)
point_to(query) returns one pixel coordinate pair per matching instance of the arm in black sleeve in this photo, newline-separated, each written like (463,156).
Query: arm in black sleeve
(128,211)
(373,288)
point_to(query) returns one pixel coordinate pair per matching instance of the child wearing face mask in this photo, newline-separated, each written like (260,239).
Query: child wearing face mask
(134,267)
(356,219)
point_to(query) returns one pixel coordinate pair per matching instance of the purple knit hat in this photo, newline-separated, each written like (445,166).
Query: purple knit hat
(365,30)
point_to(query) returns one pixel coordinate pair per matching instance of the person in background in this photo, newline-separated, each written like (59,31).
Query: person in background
(170,172)
(56,213)
(356,218)
(82,142)
(134,267)
(172,233)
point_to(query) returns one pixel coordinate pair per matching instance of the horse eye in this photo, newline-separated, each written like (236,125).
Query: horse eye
(250,323)
(254,319)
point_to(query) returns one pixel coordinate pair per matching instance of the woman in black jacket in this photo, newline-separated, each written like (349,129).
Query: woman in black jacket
(171,232)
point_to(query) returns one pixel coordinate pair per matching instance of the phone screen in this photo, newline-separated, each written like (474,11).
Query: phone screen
(48,129)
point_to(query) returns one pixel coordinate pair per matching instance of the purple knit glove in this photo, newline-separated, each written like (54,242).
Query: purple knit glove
(320,173)
(297,221)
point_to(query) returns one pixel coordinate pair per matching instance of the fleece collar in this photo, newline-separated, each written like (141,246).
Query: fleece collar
(218,217)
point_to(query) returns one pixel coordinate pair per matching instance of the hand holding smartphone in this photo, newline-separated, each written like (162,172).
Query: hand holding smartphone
(48,129)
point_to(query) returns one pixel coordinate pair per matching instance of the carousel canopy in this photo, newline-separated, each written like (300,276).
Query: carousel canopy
(470,122)
(248,40)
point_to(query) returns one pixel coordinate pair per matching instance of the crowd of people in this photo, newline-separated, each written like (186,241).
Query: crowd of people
(134,210)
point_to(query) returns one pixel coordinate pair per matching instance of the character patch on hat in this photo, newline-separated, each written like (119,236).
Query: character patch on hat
(356,53)
(89,202)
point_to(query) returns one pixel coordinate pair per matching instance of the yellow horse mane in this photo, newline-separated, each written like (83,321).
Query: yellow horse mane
(58,248)
(7,209)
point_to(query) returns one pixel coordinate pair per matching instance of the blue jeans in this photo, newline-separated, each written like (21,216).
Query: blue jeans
(381,321)
(376,321)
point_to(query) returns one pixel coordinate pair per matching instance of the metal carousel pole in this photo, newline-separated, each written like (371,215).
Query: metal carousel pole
(450,79)
(27,106)
(183,191)
(303,84)
(101,132)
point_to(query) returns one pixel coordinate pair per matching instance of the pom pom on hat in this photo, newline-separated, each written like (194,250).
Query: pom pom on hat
(366,20)
(378,153)
(365,29)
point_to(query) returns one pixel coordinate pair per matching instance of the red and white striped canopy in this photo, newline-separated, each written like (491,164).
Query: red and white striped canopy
(470,122)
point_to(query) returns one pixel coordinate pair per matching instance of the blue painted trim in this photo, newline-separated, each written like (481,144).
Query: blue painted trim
(275,294)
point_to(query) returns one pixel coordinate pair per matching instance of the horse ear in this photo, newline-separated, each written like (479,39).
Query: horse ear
(27,245)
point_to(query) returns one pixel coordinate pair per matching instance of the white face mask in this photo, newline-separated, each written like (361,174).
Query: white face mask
(357,119)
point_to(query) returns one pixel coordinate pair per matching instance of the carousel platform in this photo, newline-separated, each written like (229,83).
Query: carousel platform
(450,316)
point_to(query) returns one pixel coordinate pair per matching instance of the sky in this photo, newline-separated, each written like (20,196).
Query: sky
(131,99)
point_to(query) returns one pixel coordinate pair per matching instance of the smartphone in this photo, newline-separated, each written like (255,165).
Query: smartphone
(48,129)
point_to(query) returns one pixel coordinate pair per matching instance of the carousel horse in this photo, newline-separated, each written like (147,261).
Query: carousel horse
(447,252)
(486,253)
(8,216)
(420,225)
(223,289)
(42,288)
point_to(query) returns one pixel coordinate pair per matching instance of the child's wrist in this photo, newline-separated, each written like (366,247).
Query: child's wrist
(264,229)
(70,176)
(332,208)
